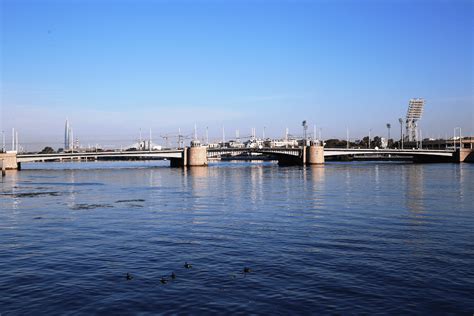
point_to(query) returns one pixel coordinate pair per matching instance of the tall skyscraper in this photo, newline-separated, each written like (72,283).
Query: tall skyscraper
(67,136)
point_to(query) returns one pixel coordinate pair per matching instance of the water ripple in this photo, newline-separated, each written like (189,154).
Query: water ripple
(353,238)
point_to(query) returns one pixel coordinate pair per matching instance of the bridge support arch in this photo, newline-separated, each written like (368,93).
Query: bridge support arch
(180,162)
(309,155)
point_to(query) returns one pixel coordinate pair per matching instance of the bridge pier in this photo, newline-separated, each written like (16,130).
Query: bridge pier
(9,161)
(193,156)
(314,155)
(461,155)
(464,155)
(197,156)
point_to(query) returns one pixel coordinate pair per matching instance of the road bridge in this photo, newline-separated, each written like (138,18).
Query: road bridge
(197,155)
(418,155)
(175,153)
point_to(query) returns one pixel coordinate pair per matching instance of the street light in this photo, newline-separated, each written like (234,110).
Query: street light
(388,139)
(460,138)
(305,128)
(400,120)
(347,137)
(370,130)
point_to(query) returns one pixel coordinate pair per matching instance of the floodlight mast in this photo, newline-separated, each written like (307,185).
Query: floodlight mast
(305,128)
(415,110)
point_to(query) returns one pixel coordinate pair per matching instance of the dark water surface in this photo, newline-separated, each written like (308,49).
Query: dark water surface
(339,238)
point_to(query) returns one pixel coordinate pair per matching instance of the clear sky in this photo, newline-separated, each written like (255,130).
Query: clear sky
(113,67)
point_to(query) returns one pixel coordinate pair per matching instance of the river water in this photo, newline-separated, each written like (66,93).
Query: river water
(358,237)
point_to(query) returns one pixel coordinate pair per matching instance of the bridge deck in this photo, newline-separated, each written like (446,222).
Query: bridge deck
(405,152)
(83,155)
(215,152)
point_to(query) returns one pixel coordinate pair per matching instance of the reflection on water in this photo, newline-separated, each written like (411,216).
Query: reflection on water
(338,238)
(317,177)
(415,191)
(71,196)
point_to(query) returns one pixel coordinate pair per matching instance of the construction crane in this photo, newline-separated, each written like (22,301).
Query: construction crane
(179,138)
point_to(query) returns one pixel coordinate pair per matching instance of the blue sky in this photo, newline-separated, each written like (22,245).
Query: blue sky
(113,67)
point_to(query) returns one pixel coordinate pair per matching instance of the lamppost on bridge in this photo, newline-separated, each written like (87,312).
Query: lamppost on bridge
(388,139)
(400,120)
(305,128)
(347,137)
(460,138)
(368,145)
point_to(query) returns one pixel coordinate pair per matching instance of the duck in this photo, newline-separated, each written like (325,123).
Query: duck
(128,276)
(163,280)
(188,265)
(247,270)
(173,276)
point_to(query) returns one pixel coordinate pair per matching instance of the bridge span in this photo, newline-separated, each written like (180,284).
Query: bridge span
(328,152)
(176,153)
(197,155)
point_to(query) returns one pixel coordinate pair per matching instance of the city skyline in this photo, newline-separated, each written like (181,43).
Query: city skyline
(115,67)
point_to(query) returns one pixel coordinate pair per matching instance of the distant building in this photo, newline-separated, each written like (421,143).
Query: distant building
(254,143)
(68,139)
(213,145)
(234,144)
(281,143)
(144,145)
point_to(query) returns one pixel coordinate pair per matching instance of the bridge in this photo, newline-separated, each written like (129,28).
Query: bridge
(176,153)
(197,155)
(305,155)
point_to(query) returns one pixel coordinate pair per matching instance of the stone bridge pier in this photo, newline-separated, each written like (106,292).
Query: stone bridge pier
(464,155)
(193,156)
(314,155)
(8,161)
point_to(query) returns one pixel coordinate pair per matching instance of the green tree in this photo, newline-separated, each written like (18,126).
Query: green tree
(47,150)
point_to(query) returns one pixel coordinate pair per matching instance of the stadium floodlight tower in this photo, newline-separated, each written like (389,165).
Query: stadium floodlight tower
(305,128)
(415,110)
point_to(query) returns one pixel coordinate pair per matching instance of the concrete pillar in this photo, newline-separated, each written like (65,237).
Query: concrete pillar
(193,156)
(304,154)
(197,155)
(465,155)
(9,161)
(314,155)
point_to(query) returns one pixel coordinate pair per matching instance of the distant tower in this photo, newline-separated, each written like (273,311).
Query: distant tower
(71,139)
(415,110)
(67,131)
